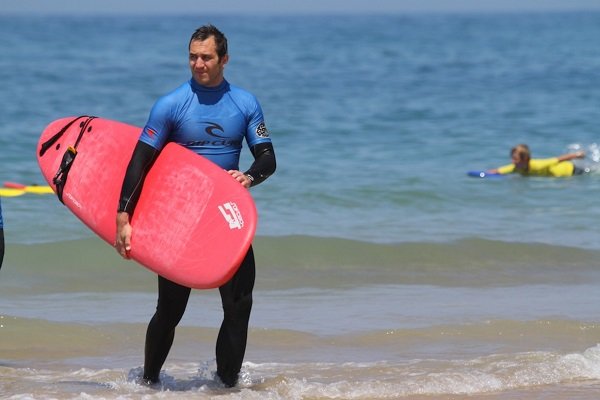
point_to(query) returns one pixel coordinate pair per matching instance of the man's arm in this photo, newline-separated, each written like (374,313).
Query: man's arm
(264,165)
(142,159)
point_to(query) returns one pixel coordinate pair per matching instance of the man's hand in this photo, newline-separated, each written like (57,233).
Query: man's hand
(242,178)
(123,239)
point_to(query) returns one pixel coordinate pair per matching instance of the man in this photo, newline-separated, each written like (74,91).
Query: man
(212,118)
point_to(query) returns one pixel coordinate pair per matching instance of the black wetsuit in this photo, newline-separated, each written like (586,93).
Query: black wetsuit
(195,125)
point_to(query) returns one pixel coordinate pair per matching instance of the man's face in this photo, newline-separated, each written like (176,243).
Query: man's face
(207,68)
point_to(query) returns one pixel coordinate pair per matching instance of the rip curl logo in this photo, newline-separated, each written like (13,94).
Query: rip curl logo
(210,129)
(232,215)
(262,131)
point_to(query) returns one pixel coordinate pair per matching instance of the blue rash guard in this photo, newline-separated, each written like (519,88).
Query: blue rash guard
(211,121)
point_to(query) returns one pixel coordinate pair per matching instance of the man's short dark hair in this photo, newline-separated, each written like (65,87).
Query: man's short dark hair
(206,31)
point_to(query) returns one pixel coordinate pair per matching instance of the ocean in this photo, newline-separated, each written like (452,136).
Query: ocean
(383,270)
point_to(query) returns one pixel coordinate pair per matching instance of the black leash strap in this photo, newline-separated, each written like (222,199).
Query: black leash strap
(48,143)
(60,179)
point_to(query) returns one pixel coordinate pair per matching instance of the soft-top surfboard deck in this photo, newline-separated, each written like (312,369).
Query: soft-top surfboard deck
(193,223)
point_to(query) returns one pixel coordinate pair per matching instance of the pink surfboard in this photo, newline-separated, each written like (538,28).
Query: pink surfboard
(193,223)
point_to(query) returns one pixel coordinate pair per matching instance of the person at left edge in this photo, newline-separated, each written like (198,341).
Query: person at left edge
(1,237)
(211,117)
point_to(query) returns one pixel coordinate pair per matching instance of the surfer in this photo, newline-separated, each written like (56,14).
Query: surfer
(523,164)
(1,237)
(212,118)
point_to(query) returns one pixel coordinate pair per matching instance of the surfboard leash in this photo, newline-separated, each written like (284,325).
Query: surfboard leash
(60,179)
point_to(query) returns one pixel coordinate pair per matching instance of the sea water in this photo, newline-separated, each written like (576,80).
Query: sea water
(383,270)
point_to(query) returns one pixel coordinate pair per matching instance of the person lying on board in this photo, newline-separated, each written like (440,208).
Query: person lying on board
(523,164)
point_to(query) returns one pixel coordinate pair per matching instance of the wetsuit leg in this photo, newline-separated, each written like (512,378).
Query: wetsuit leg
(1,246)
(172,301)
(236,297)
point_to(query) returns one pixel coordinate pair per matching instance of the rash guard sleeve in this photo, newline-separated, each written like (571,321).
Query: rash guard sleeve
(264,163)
(142,159)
